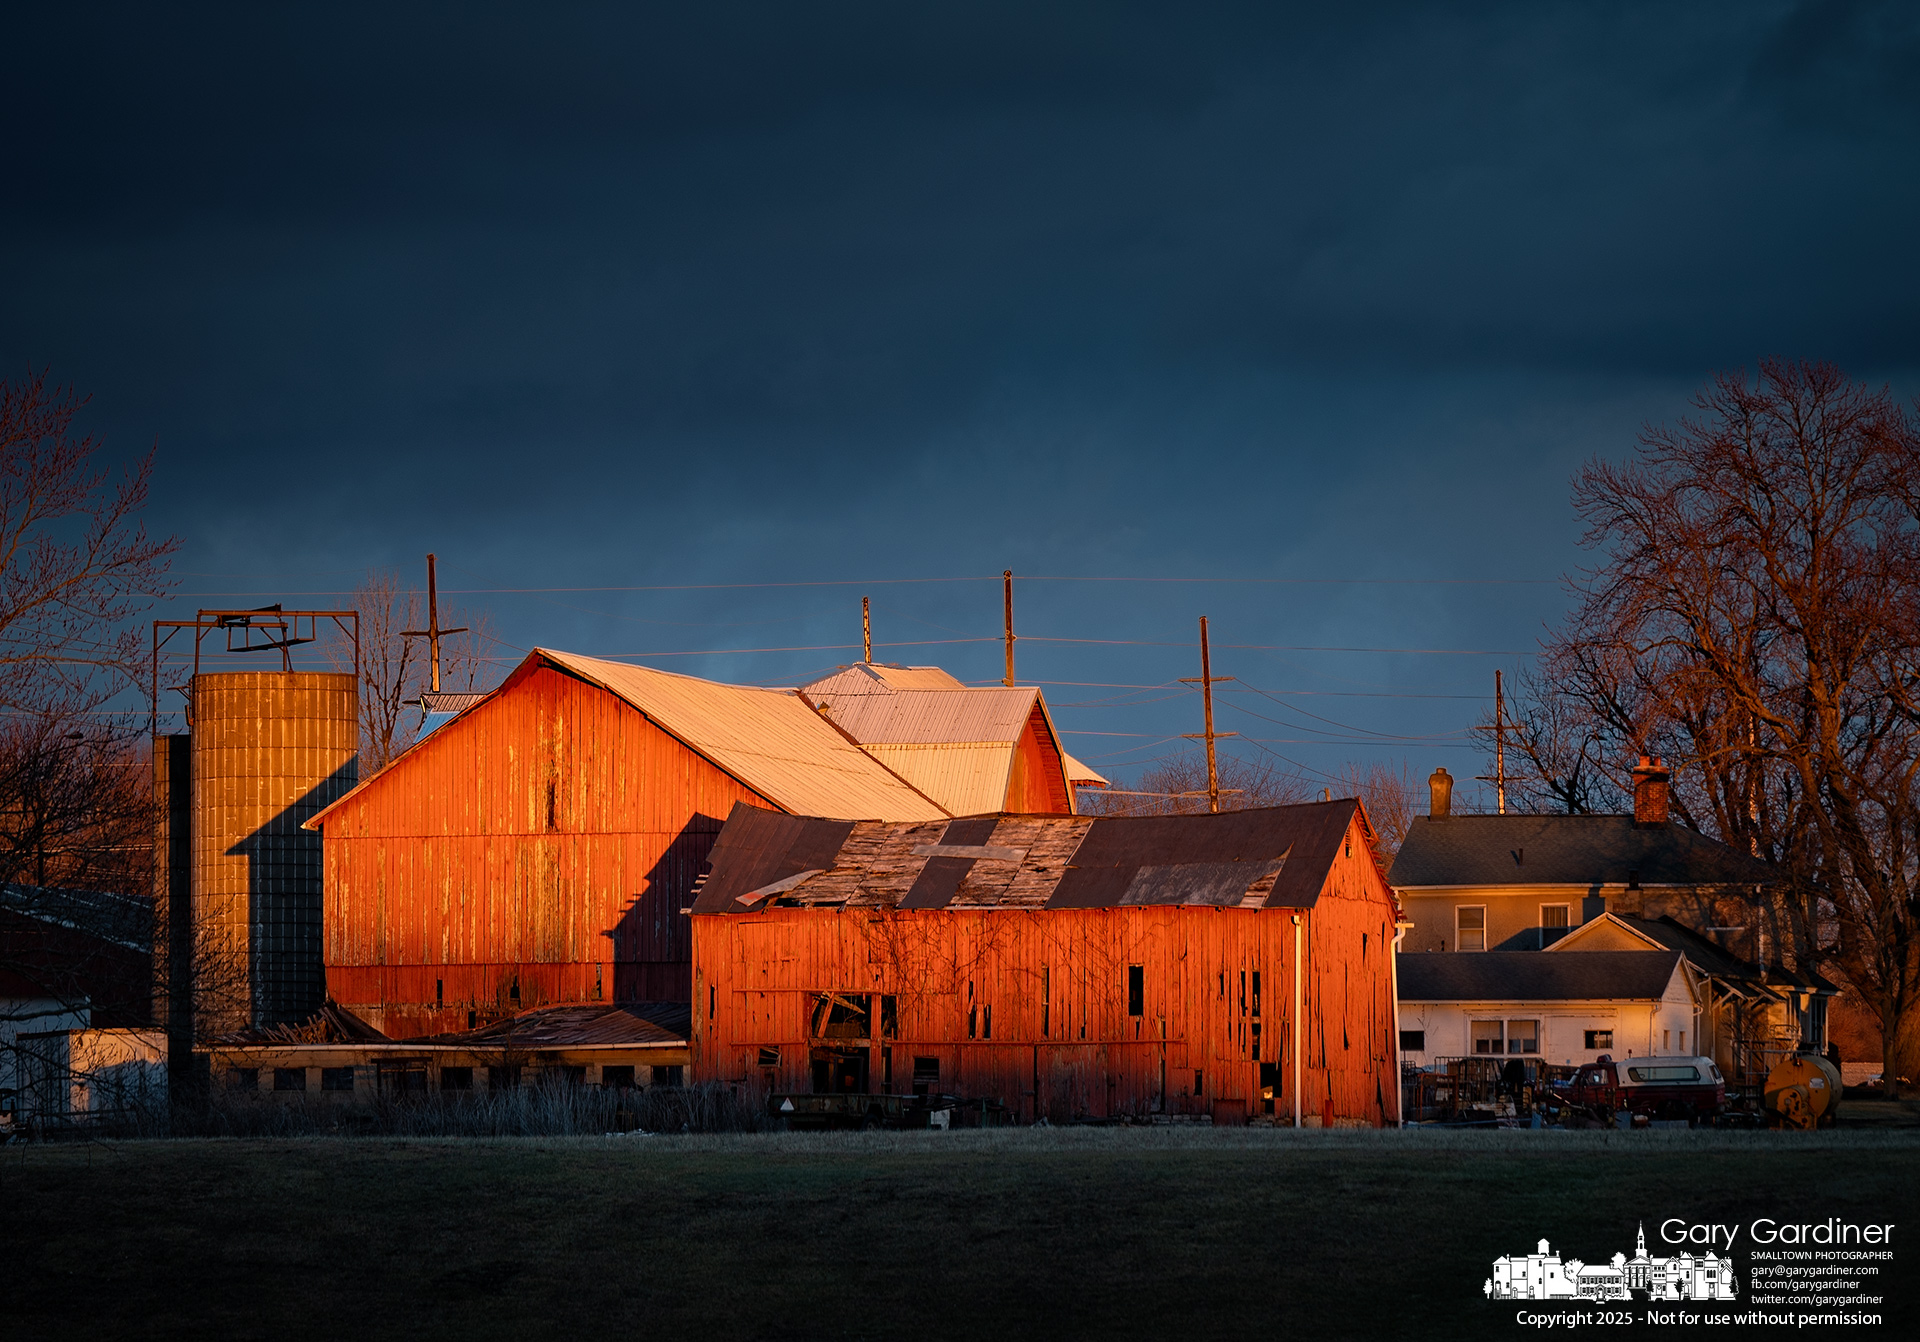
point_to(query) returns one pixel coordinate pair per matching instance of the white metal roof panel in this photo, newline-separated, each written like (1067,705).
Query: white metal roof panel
(968,778)
(879,677)
(1080,775)
(769,739)
(930,717)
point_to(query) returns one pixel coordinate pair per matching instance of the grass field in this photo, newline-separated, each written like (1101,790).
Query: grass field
(1068,1233)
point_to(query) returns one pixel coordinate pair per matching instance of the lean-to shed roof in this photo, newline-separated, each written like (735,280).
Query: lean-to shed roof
(1275,857)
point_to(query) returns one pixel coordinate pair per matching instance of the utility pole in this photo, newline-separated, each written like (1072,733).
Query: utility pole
(1205,680)
(866,628)
(1007,577)
(433,632)
(1499,778)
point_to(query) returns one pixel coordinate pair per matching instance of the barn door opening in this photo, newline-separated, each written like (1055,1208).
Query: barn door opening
(839,1071)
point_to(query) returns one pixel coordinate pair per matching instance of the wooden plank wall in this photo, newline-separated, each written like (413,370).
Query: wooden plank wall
(537,850)
(1038,783)
(1030,1007)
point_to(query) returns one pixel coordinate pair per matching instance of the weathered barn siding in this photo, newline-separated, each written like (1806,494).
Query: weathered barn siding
(541,851)
(1038,785)
(1029,1006)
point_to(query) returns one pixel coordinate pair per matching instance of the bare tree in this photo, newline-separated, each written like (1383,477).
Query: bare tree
(1178,786)
(1387,793)
(1756,620)
(76,564)
(394,664)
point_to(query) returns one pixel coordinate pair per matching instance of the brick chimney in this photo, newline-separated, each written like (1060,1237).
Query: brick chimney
(1440,793)
(1650,781)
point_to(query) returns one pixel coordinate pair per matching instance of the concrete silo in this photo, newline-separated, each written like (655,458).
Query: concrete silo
(269,749)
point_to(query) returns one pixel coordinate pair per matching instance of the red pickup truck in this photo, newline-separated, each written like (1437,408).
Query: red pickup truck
(1678,1087)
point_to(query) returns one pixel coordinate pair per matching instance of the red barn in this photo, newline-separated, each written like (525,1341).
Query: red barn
(1235,965)
(540,848)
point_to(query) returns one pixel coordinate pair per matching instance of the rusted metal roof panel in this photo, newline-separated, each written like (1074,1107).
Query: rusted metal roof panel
(769,739)
(1277,857)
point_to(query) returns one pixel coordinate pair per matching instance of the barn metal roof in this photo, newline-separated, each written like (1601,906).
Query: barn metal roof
(1080,775)
(768,739)
(1275,857)
(880,677)
(1536,976)
(1526,850)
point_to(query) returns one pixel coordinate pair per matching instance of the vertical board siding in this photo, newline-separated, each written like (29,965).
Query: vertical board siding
(545,841)
(1063,1044)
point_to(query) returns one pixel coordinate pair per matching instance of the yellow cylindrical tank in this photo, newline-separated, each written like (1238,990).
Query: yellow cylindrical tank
(1803,1091)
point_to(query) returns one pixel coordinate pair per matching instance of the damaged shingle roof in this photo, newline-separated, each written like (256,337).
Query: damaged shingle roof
(1531,976)
(1494,850)
(579,1026)
(1267,858)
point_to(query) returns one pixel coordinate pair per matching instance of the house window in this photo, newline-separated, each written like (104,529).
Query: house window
(1683,1041)
(1554,921)
(336,1078)
(1666,1041)
(1413,1041)
(1489,1036)
(1599,1038)
(1470,927)
(1136,990)
(289,1078)
(1523,1036)
(456,1078)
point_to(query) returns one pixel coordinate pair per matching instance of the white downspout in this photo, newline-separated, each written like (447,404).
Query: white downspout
(1296,1020)
(1400,930)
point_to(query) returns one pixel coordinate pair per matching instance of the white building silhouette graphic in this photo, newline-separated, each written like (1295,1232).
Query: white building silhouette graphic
(1542,1275)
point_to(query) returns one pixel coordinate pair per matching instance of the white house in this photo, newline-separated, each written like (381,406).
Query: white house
(1550,1008)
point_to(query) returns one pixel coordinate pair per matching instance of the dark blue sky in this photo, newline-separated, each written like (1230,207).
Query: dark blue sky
(642,299)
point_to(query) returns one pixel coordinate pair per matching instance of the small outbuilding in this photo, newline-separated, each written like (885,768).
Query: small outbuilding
(1234,967)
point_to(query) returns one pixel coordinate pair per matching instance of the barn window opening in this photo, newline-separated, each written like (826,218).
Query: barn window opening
(986,1021)
(289,1078)
(1255,1035)
(597,982)
(513,989)
(336,1078)
(618,1077)
(769,1055)
(1599,1038)
(456,1078)
(553,788)
(889,1017)
(926,1074)
(842,1016)
(1256,994)
(1136,990)
(1046,1003)
(886,1069)
(1413,1041)
(473,1019)
(1243,992)
(973,1022)
(1199,1083)
(713,1000)
(439,992)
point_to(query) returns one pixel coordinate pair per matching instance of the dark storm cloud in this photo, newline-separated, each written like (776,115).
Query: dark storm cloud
(718,293)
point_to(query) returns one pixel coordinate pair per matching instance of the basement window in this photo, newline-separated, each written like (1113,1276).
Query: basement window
(243,1078)
(456,1078)
(1413,1041)
(618,1077)
(289,1078)
(1599,1038)
(669,1076)
(336,1078)
(1136,990)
